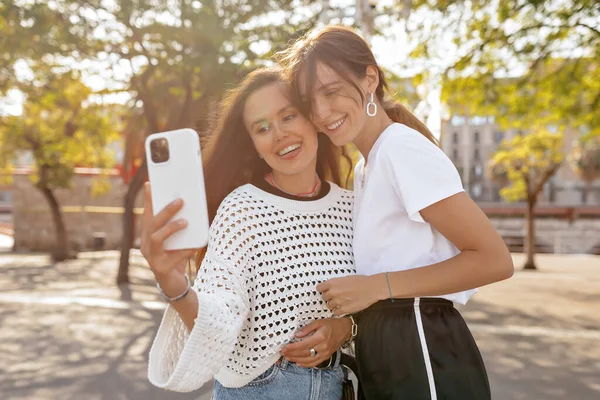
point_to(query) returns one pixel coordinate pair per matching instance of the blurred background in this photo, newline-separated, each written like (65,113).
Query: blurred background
(511,89)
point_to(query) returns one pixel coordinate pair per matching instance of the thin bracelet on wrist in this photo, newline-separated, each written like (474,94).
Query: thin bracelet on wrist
(354,332)
(176,298)
(389,287)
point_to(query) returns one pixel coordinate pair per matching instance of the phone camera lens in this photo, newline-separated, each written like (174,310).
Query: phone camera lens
(159,150)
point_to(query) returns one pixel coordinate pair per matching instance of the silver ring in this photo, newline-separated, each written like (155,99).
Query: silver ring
(313,352)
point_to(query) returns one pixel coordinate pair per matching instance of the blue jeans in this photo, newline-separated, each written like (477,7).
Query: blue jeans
(287,381)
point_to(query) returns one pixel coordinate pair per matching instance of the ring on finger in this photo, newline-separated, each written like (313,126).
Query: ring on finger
(313,352)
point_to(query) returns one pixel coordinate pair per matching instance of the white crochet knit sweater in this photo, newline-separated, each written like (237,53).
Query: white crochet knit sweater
(256,287)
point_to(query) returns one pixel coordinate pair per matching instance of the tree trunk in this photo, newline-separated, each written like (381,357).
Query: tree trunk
(586,192)
(530,244)
(61,250)
(128,222)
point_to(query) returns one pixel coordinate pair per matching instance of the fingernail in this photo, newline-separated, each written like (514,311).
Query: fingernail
(182,222)
(177,202)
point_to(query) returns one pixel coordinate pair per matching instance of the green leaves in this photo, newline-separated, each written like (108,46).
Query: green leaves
(61,130)
(525,163)
(584,158)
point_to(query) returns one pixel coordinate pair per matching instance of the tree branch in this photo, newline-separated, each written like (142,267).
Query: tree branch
(547,175)
(591,28)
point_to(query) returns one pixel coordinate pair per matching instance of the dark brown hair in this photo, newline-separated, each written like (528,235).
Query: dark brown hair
(230,159)
(345,52)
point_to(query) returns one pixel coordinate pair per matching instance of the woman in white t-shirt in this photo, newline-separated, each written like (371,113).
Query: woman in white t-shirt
(420,243)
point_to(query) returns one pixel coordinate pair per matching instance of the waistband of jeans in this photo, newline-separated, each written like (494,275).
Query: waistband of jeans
(410,302)
(331,363)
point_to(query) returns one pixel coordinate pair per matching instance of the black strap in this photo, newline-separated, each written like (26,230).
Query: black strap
(330,362)
(349,363)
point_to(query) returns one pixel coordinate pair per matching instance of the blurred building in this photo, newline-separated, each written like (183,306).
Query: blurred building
(470,142)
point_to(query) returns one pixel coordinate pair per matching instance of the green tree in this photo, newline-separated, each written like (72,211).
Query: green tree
(523,165)
(182,55)
(510,56)
(61,129)
(585,161)
(37,32)
(173,58)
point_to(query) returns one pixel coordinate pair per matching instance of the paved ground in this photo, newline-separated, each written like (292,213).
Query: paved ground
(66,332)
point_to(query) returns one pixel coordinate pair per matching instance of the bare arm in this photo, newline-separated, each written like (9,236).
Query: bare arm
(187,308)
(483,259)
(168,266)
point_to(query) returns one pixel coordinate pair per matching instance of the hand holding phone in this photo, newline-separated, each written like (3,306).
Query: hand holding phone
(168,266)
(175,172)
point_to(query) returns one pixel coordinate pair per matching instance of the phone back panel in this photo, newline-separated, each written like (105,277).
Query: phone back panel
(180,177)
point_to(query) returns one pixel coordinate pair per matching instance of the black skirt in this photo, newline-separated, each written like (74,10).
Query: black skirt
(418,349)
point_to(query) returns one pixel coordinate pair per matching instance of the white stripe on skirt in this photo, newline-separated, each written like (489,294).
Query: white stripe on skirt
(425,350)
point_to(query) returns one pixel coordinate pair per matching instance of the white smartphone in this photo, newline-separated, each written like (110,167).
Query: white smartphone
(175,171)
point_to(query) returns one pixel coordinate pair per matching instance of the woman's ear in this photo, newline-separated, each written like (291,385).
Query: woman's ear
(372,78)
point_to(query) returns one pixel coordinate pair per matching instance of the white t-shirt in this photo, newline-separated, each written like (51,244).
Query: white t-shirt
(405,174)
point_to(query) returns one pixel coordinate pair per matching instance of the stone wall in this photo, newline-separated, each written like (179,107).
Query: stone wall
(582,236)
(85,216)
(34,230)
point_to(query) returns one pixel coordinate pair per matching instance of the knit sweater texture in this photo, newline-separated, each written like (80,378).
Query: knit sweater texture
(256,287)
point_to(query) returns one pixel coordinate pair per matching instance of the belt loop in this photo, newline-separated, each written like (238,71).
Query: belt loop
(284,363)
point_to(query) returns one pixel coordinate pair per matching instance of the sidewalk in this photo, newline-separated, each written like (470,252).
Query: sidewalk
(67,332)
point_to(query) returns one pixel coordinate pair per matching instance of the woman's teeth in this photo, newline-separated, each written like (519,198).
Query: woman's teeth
(336,124)
(289,149)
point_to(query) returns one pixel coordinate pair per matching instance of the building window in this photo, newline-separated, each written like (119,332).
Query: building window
(454,154)
(498,137)
(455,138)
(476,191)
(476,155)
(476,137)
(5,197)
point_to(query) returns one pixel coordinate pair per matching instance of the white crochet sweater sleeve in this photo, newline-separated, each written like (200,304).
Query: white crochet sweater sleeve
(183,361)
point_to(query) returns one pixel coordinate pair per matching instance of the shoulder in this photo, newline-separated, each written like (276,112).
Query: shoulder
(343,203)
(399,137)
(340,191)
(402,146)
(235,209)
(232,229)
(342,195)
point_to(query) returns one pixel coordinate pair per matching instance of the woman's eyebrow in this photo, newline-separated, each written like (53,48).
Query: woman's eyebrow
(326,85)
